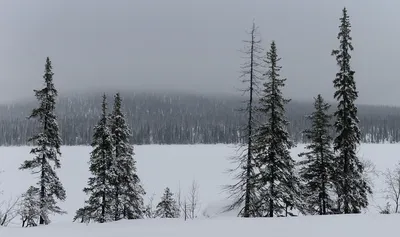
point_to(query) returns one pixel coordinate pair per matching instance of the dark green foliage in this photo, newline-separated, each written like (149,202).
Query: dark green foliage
(167,207)
(99,206)
(47,149)
(318,167)
(128,192)
(352,189)
(277,183)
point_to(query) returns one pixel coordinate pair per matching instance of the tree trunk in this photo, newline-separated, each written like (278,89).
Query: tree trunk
(346,206)
(249,133)
(324,194)
(103,201)
(271,200)
(116,215)
(42,192)
(4,220)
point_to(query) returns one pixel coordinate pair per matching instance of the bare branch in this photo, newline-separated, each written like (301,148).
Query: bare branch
(8,211)
(392,190)
(193,200)
(150,213)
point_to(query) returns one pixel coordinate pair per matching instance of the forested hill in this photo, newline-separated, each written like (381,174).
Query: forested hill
(177,119)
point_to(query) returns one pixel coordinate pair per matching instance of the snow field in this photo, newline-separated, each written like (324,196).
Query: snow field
(309,226)
(160,166)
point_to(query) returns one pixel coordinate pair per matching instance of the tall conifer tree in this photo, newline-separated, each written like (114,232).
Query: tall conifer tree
(128,192)
(352,188)
(317,169)
(47,150)
(244,193)
(277,181)
(99,205)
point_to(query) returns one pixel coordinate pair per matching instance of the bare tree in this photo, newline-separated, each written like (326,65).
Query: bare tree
(243,192)
(182,203)
(392,191)
(149,212)
(179,199)
(185,210)
(8,211)
(370,173)
(193,199)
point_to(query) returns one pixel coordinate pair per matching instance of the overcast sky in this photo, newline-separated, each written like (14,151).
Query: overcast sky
(193,45)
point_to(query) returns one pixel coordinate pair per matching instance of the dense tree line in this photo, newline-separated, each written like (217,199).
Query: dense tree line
(331,178)
(154,118)
(174,118)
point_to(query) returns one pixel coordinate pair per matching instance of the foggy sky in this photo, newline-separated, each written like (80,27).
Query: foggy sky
(193,45)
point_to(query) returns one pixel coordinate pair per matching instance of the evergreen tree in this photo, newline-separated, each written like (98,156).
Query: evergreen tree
(277,183)
(352,188)
(30,203)
(128,192)
(47,149)
(244,191)
(167,207)
(317,169)
(99,206)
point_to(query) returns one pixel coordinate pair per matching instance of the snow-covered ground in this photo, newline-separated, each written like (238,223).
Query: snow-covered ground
(177,165)
(310,226)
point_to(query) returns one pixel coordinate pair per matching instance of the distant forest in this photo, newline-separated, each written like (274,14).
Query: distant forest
(169,118)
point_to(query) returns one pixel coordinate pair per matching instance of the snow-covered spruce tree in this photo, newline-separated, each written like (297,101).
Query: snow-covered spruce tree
(29,207)
(243,191)
(128,192)
(99,205)
(317,169)
(352,188)
(278,185)
(47,150)
(167,207)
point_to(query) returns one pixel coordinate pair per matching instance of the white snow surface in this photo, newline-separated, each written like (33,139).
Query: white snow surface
(160,166)
(310,226)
